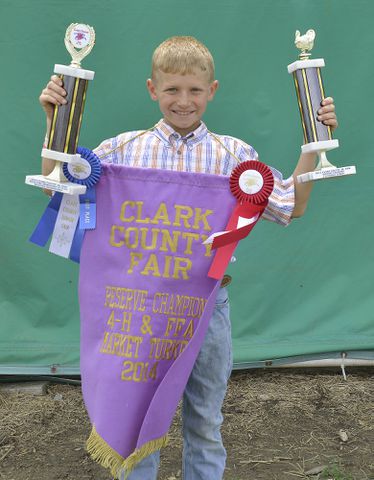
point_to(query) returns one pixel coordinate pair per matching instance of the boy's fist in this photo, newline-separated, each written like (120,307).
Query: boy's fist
(326,114)
(52,94)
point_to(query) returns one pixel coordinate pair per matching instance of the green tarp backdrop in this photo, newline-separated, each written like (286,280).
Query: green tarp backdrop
(302,291)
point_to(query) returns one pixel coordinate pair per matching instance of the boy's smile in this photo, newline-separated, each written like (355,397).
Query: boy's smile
(182,98)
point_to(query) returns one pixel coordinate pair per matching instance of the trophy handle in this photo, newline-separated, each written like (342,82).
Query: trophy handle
(323,162)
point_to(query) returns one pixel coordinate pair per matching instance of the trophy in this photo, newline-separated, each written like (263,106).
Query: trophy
(63,136)
(309,90)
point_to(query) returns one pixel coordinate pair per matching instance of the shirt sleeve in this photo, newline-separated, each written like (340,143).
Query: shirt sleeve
(282,199)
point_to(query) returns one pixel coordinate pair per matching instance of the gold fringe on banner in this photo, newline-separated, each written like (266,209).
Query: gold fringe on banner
(103,454)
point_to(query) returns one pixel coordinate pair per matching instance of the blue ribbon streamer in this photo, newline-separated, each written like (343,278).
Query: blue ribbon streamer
(87,220)
(76,246)
(87,217)
(47,222)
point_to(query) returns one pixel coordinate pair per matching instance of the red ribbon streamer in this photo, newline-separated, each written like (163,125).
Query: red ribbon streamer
(249,206)
(226,243)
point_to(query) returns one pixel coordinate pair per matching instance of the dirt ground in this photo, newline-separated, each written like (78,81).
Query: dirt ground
(279,425)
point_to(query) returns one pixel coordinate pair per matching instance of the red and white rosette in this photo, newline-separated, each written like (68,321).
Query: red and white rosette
(251,182)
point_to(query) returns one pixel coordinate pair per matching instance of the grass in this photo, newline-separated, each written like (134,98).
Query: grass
(334,473)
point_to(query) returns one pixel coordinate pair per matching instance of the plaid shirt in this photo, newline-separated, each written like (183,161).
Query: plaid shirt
(198,152)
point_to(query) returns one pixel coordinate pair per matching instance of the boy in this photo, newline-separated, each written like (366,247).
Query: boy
(182,82)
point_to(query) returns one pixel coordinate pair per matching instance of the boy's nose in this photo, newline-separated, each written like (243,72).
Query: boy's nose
(183,100)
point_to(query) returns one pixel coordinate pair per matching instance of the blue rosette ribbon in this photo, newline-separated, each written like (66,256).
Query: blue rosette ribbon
(86,172)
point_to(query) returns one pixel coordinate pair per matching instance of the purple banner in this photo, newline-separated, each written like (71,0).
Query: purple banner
(145,301)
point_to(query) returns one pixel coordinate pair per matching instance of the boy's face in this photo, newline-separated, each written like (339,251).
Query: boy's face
(182,98)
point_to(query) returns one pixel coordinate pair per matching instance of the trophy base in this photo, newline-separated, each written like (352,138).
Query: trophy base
(325,173)
(64,187)
(60,156)
(323,145)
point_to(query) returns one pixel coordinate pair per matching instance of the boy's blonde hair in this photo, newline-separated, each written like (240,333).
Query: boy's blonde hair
(182,55)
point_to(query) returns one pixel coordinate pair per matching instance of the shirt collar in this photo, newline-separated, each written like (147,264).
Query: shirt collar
(168,134)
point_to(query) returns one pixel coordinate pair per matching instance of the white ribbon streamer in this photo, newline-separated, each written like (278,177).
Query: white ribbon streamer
(242,222)
(66,223)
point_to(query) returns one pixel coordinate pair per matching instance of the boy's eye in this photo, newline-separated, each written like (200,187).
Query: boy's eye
(171,89)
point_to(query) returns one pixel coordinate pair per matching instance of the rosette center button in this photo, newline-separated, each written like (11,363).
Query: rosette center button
(251,182)
(80,170)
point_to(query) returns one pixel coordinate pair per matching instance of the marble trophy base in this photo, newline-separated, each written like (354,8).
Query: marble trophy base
(324,169)
(56,180)
(63,187)
(325,173)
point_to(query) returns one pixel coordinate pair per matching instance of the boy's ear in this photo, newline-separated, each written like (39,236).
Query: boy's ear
(212,89)
(152,89)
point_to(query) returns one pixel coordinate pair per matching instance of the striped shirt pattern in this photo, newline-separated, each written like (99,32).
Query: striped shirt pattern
(197,152)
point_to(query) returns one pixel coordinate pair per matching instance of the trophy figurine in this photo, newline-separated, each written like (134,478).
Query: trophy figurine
(309,90)
(63,136)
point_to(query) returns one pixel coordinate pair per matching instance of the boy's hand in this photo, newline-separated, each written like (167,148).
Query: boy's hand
(52,94)
(326,114)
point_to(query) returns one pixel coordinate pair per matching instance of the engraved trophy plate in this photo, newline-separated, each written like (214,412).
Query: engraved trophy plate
(67,119)
(310,92)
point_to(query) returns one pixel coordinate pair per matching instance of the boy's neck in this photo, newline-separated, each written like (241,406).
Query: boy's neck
(183,132)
